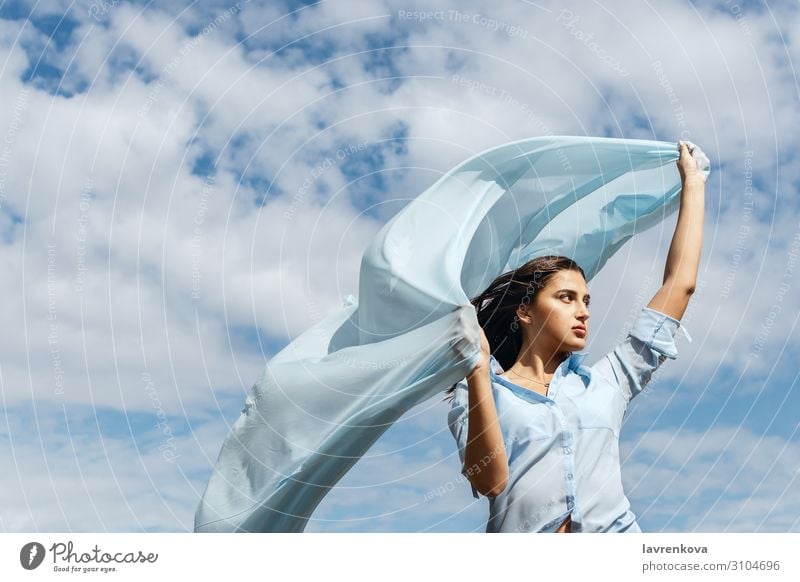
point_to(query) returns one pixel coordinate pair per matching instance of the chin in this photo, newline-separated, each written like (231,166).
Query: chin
(574,347)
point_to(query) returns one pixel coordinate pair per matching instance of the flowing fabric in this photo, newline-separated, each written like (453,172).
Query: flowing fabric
(330,394)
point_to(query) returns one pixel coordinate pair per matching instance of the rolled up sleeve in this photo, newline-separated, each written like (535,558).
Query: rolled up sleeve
(650,342)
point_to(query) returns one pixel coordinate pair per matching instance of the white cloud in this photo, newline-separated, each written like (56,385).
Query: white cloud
(726,479)
(83,481)
(113,165)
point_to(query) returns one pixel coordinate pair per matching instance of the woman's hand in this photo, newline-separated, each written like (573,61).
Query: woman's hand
(483,363)
(689,163)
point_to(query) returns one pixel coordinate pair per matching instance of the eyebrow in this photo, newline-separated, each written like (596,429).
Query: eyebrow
(573,292)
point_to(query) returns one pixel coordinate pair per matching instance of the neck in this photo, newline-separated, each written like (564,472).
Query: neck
(538,362)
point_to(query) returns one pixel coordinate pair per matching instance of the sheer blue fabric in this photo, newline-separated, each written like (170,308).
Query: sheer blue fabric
(329,395)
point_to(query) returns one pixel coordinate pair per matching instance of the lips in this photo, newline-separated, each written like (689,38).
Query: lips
(580,330)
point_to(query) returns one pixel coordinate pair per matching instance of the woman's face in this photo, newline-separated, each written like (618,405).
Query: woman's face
(559,317)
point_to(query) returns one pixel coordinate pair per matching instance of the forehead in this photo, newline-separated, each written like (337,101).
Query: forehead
(567,279)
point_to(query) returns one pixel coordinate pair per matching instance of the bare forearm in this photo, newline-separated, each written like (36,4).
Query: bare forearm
(683,259)
(485,457)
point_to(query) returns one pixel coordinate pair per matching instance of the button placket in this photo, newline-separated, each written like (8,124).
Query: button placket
(567,443)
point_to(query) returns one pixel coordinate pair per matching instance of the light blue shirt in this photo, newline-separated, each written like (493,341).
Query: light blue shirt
(563,448)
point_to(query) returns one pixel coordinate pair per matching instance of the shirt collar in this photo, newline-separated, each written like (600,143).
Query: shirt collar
(575,360)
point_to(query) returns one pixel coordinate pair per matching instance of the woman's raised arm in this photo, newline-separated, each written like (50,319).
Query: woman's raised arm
(683,259)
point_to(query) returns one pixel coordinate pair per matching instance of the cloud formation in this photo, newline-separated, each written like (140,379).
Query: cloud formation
(185,188)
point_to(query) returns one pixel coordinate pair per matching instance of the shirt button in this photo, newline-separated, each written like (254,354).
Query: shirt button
(569,475)
(570,504)
(567,450)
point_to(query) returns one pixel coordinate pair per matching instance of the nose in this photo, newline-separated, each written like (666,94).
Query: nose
(583,313)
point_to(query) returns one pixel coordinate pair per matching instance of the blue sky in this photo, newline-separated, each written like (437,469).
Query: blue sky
(150,154)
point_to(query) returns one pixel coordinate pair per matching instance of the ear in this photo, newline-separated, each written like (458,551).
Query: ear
(523,314)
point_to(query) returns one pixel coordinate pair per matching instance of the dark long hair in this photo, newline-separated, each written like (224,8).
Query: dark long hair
(496,307)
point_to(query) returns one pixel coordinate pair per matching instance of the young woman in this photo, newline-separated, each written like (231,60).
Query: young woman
(537,431)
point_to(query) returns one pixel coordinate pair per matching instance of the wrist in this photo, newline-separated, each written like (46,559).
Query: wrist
(696,181)
(480,369)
